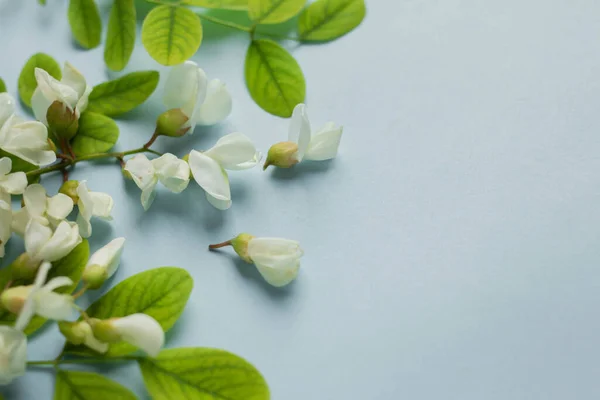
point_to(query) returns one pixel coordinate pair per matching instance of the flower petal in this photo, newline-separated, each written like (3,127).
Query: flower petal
(85,204)
(141,170)
(27,140)
(40,105)
(273,247)
(13,353)
(324,145)
(141,331)
(63,240)
(5,166)
(7,107)
(217,105)
(28,309)
(56,306)
(148,195)
(90,340)
(14,183)
(20,219)
(172,172)
(58,282)
(34,198)
(73,79)
(54,90)
(279,274)
(103,205)
(185,88)
(5,224)
(277,260)
(85,226)
(300,129)
(108,256)
(211,177)
(233,150)
(36,237)
(218,202)
(59,206)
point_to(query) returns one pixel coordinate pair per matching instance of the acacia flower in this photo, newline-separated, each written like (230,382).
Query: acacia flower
(301,145)
(48,211)
(44,244)
(72,92)
(27,140)
(91,204)
(10,183)
(233,152)
(80,332)
(139,330)
(13,354)
(172,172)
(103,263)
(39,299)
(277,260)
(202,101)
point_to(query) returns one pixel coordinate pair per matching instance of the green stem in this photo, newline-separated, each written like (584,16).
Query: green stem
(67,163)
(84,360)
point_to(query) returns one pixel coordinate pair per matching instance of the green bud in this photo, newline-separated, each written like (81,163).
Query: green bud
(170,123)
(14,298)
(94,276)
(72,331)
(63,123)
(104,331)
(70,189)
(240,245)
(24,267)
(282,155)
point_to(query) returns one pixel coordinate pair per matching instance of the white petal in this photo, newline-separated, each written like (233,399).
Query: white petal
(74,79)
(141,170)
(20,220)
(54,306)
(211,177)
(58,282)
(27,140)
(324,145)
(13,353)
(40,105)
(59,206)
(217,105)
(85,204)
(63,240)
(218,202)
(273,247)
(82,103)
(42,275)
(108,256)
(35,199)
(185,88)
(28,310)
(36,237)
(142,331)
(90,340)
(172,172)
(85,226)
(14,183)
(54,90)
(233,150)
(300,129)
(5,166)
(7,107)
(5,223)
(148,195)
(102,205)
(279,274)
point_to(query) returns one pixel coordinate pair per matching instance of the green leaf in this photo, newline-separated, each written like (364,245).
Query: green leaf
(77,385)
(330,19)
(161,293)
(273,11)
(220,4)
(274,78)
(202,374)
(123,94)
(85,22)
(2,86)
(171,34)
(120,36)
(71,266)
(97,134)
(27,82)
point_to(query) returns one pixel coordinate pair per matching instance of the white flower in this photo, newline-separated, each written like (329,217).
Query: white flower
(301,145)
(203,102)
(233,152)
(38,206)
(172,172)
(26,140)
(5,225)
(39,299)
(13,354)
(103,263)
(277,260)
(10,183)
(72,90)
(43,244)
(91,204)
(139,330)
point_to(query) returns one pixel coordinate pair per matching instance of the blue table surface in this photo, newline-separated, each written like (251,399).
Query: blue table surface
(451,248)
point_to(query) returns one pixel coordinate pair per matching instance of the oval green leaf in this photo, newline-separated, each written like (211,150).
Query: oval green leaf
(120,35)
(329,19)
(219,4)
(71,266)
(123,94)
(77,385)
(171,34)
(85,22)
(162,293)
(27,82)
(274,78)
(97,134)
(202,374)
(2,86)
(273,11)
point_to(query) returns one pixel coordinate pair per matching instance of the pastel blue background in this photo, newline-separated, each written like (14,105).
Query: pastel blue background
(451,248)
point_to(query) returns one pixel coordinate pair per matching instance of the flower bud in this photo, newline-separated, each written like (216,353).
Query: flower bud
(283,155)
(14,298)
(24,267)
(240,245)
(62,121)
(94,276)
(103,264)
(74,332)
(105,331)
(171,123)
(69,188)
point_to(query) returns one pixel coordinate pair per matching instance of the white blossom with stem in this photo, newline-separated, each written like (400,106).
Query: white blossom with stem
(91,204)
